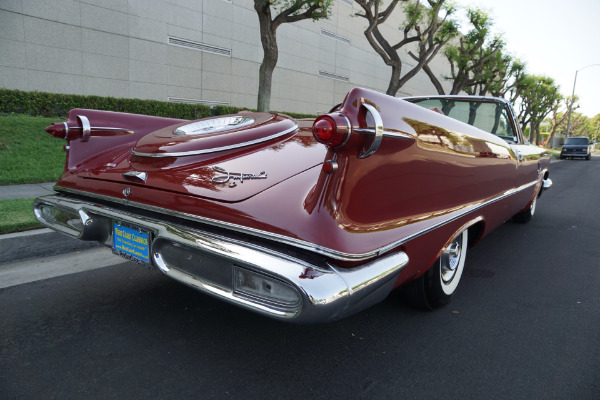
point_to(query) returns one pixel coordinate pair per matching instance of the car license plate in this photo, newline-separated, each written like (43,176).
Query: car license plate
(131,242)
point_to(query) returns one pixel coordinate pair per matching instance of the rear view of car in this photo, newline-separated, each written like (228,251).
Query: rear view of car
(576,147)
(301,220)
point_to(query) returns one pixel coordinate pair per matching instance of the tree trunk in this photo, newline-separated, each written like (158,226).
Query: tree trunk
(531,132)
(473,112)
(447,106)
(394,85)
(551,138)
(268,39)
(265,78)
(497,115)
(524,123)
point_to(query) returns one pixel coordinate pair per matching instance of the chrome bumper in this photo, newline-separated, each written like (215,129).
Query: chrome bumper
(257,277)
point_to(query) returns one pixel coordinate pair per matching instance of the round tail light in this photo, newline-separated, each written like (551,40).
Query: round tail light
(333,130)
(58,129)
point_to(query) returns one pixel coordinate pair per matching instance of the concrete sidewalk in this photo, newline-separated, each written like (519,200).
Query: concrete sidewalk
(26,191)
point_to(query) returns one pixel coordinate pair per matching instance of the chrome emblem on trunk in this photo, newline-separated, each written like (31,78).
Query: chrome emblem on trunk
(236,176)
(126,192)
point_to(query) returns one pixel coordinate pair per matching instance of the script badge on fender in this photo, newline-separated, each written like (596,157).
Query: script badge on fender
(235,176)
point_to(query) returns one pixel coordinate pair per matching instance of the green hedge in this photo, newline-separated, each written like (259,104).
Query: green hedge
(42,104)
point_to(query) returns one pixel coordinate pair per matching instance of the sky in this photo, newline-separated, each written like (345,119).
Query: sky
(555,38)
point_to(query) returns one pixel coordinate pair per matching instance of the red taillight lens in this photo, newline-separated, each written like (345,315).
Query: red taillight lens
(332,130)
(324,129)
(58,129)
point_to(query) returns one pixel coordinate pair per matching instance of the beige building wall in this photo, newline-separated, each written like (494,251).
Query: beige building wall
(205,51)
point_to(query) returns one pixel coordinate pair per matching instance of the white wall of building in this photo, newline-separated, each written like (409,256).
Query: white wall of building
(129,48)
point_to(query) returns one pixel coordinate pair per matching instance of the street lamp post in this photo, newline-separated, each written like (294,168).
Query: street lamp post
(573,96)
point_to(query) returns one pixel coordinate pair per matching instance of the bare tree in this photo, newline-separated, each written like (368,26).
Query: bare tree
(428,28)
(271,14)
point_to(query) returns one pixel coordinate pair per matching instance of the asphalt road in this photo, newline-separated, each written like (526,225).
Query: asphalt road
(525,324)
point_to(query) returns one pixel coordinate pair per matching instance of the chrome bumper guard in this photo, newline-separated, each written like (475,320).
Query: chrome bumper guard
(546,184)
(252,276)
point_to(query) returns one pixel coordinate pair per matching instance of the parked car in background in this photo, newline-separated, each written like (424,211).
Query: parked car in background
(304,220)
(576,146)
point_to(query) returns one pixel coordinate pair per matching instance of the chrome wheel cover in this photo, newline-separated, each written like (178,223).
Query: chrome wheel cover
(452,262)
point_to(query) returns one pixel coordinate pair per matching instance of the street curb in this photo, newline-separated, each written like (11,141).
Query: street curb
(38,243)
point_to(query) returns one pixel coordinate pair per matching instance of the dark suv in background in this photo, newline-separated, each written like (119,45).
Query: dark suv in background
(576,147)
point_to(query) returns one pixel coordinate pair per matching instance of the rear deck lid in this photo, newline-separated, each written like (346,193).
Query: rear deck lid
(225,158)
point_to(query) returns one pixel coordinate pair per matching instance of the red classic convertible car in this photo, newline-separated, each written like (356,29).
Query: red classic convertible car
(301,220)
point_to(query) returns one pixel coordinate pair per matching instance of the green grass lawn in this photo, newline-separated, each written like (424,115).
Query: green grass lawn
(27,153)
(16,215)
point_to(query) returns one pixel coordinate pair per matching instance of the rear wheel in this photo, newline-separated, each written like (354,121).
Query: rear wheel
(525,216)
(438,285)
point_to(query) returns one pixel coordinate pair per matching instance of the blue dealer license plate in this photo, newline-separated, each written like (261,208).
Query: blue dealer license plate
(131,243)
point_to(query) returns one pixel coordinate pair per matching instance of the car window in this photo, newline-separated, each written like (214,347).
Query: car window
(580,141)
(487,116)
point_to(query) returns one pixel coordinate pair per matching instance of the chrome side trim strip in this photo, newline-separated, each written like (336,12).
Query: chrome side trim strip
(467,211)
(456,97)
(99,128)
(216,149)
(334,254)
(395,135)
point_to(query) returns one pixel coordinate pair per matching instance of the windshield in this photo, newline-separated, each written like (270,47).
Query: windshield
(581,141)
(488,116)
